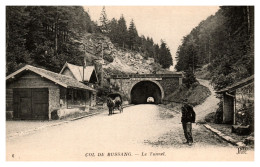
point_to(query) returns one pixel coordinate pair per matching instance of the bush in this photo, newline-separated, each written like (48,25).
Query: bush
(109,58)
(54,115)
(102,91)
(216,117)
(219,113)
(189,78)
(210,117)
(245,116)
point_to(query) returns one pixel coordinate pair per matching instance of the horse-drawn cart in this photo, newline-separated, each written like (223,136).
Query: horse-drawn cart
(114,101)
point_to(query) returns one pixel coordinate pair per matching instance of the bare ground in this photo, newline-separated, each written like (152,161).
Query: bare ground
(202,136)
(140,129)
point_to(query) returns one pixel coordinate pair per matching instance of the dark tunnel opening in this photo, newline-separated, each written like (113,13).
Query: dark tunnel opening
(145,92)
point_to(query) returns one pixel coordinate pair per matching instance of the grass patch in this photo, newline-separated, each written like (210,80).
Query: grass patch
(210,117)
(166,115)
(203,73)
(196,94)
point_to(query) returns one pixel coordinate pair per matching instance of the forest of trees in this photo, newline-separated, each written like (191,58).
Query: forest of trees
(48,36)
(128,38)
(45,36)
(225,42)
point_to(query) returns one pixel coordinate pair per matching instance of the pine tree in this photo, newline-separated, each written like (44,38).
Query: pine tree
(132,36)
(16,53)
(104,21)
(156,52)
(113,31)
(122,31)
(44,36)
(165,57)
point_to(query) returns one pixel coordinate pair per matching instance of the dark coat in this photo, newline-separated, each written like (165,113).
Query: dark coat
(188,114)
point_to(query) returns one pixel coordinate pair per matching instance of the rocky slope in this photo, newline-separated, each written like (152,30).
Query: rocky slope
(117,60)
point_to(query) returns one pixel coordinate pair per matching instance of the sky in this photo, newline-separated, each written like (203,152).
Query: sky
(170,23)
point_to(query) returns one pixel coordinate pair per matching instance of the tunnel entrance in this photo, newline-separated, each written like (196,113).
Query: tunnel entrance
(144,90)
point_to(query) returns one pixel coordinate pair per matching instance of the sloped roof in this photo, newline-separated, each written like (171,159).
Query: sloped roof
(237,85)
(60,79)
(77,71)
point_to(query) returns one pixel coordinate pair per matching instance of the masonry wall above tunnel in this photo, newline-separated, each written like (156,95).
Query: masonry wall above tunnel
(166,84)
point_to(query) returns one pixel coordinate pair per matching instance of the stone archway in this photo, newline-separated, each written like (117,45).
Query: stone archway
(142,90)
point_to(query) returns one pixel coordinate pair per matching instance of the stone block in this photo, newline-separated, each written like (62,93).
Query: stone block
(241,130)
(69,111)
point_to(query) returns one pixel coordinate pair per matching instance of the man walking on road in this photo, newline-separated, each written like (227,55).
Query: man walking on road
(188,117)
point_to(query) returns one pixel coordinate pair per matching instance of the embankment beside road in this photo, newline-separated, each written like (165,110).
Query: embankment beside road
(196,95)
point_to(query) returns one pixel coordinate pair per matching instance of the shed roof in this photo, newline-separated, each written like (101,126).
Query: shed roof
(60,79)
(237,85)
(77,71)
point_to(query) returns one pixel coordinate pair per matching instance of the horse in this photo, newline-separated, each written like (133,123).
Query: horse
(110,105)
(118,104)
(113,104)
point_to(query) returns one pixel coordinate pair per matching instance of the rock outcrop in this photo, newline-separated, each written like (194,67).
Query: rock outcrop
(117,60)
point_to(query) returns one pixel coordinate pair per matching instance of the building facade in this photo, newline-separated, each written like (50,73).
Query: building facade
(35,93)
(86,75)
(238,102)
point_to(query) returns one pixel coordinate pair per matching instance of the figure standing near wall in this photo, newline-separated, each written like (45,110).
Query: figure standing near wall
(188,117)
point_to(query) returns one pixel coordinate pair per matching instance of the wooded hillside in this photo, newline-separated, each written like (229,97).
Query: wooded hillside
(48,36)
(44,36)
(225,42)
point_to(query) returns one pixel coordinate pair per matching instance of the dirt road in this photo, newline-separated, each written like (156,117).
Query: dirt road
(210,104)
(141,133)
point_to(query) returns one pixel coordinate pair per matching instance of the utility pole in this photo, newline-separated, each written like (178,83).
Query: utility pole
(101,74)
(56,32)
(84,63)
(99,62)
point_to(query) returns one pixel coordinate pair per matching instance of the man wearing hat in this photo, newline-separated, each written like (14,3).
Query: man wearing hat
(188,117)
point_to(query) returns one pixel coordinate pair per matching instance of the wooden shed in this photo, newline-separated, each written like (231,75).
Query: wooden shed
(34,93)
(238,97)
(85,74)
